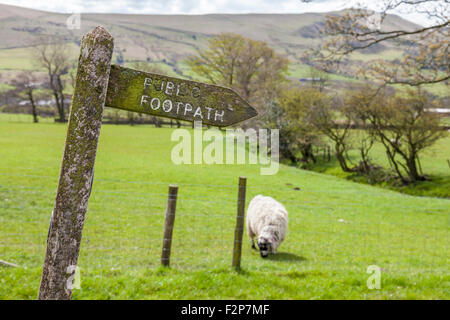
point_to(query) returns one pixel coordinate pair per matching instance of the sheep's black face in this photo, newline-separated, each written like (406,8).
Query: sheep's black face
(264,247)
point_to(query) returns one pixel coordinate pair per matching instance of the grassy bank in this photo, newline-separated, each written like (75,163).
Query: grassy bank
(434,164)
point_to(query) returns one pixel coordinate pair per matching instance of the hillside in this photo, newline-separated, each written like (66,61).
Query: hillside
(167,39)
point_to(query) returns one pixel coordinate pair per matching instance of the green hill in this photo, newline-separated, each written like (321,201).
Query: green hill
(168,39)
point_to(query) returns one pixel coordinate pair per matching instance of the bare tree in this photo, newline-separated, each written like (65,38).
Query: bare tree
(331,117)
(72,74)
(250,67)
(405,127)
(54,58)
(295,104)
(3,94)
(26,84)
(426,59)
(318,78)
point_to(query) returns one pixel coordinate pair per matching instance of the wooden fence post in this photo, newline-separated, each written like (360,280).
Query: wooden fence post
(168,225)
(75,180)
(239,230)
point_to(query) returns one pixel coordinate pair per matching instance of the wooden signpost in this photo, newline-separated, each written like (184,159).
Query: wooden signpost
(98,82)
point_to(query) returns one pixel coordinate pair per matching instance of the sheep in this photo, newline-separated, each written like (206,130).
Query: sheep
(267,219)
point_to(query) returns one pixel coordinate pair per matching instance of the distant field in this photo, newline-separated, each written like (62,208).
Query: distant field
(389,54)
(23,58)
(5,87)
(438,89)
(337,228)
(16,59)
(165,68)
(434,163)
(22,118)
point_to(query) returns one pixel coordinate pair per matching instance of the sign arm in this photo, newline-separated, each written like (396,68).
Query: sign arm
(180,99)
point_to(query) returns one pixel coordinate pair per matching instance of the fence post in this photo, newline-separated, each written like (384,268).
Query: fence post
(74,187)
(239,230)
(168,225)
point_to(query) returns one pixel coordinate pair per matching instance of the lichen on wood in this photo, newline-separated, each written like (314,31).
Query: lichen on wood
(77,167)
(144,92)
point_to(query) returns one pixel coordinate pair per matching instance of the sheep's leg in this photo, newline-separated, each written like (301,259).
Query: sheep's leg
(253,244)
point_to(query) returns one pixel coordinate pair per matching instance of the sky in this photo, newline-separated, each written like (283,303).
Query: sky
(204,6)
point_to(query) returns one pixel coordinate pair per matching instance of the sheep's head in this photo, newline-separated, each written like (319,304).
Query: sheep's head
(265,246)
(268,241)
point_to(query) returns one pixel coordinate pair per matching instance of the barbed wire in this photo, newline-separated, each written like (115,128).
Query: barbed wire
(162,197)
(228,200)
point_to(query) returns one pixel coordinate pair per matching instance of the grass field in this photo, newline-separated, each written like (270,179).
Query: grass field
(337,228)
(17,59)
(22,58)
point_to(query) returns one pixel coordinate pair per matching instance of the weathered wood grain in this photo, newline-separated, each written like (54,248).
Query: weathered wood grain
(168,225)
(77,168)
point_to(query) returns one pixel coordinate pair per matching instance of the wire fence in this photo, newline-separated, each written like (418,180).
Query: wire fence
(124,227)
(117,118)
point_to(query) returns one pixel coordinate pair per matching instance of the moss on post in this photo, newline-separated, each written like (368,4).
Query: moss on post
(175,98)
(77,167)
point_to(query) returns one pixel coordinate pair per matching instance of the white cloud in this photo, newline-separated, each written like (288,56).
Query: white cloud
(202,6)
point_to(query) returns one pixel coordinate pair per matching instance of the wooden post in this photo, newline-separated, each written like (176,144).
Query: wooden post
(239,230)
(75,181)
(168,225)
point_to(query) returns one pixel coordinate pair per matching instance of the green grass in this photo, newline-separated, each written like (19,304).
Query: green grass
(23,118)
(440,90)
(298,70)
(165,68)
(388,54)
(17,59)
(337,228)
(5,87)
(22,58)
